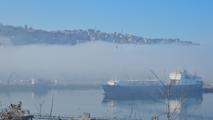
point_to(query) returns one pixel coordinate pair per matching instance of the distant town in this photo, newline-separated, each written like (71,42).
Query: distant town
(25,35)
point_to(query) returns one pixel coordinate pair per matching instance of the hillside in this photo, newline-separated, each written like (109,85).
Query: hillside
(28,35)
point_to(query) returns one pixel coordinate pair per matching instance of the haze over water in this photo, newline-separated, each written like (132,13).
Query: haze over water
(95,63)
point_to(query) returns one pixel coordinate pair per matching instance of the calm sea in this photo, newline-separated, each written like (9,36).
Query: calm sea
(75,102)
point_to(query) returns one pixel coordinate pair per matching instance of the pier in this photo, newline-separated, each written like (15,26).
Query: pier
(84,116)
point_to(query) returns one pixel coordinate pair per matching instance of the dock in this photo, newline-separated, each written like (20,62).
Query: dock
(84,116)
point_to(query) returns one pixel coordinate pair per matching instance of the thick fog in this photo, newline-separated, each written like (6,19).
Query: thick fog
(96,62)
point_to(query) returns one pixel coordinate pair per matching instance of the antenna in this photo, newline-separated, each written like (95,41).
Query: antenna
(165,87)
(10,76)
(51,110)
(155,75)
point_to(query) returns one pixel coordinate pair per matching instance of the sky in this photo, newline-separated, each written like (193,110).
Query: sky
(189,20)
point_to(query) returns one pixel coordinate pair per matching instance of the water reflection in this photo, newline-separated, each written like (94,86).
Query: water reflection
(75,102)
(39,92)
(179,108)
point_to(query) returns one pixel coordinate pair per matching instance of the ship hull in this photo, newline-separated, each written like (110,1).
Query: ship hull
(152,92)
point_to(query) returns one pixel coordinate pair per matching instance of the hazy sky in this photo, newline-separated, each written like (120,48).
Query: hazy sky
(185,19)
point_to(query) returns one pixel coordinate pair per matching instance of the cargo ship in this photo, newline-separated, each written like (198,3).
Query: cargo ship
(180,84)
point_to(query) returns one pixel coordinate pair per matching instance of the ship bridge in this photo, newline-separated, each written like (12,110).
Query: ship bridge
(184,78)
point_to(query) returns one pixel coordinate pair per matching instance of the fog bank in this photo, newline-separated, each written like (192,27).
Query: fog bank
(96,62)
